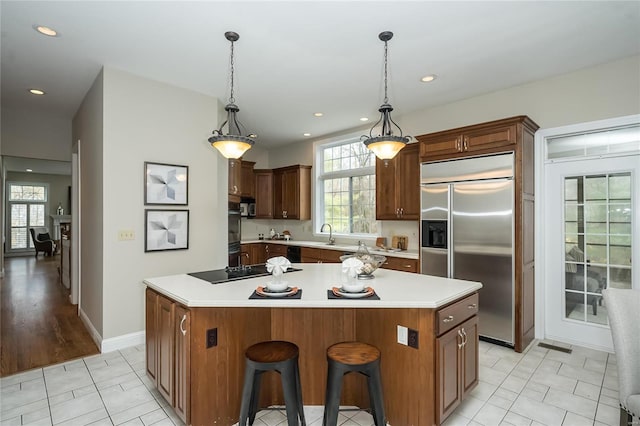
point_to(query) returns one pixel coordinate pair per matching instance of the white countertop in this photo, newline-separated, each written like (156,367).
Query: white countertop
(396,289)
(407,254)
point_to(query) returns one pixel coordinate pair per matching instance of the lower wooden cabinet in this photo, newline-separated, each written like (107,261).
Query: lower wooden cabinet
(168,351)
(456,366)
(401,264)
(316,255)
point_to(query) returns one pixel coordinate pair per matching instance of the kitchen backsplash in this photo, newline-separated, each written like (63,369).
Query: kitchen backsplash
(303,231)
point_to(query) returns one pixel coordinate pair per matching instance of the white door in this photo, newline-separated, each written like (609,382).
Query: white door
(591,243)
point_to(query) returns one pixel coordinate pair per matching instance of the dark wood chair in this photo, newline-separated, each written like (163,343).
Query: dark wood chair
(42,241)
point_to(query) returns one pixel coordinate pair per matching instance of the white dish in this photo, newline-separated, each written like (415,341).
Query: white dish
(276,286)
(368,291)
(263,291)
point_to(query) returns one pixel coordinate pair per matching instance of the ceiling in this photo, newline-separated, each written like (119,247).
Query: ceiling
(297,58)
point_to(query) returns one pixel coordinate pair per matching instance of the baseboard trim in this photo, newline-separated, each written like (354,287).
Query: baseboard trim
(97,338)
(124,341)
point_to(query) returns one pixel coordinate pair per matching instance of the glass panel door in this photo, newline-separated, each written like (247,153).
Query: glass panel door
(597,242)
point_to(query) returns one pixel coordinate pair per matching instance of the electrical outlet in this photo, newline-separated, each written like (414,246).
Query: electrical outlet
(212,337)
(403,335)
(413,338)
(126,235)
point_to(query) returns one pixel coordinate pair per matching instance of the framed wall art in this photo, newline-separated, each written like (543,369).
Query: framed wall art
(165,184)
(166,230)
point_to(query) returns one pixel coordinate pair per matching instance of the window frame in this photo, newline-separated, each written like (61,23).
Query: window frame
(10,203)
(318,185)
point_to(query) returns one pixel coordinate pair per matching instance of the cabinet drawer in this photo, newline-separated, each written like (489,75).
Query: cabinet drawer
(453,315)
(401,264)
(273,250)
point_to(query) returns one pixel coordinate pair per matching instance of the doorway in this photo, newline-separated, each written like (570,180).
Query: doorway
(589,236)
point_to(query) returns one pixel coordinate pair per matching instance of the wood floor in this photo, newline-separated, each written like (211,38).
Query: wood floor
(38,325)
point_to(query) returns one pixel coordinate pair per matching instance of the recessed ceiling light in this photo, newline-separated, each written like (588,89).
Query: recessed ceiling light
(46,30)
(428,78)
(306,134)
(36,91)
(29,170)
(318,114)
(364,119)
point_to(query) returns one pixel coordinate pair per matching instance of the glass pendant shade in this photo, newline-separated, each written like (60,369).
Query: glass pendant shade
(232,144)
(385,146)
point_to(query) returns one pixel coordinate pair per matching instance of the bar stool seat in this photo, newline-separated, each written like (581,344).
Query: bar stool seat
(344,358)
(277,356)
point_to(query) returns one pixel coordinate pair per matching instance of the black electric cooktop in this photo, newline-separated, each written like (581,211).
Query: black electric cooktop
(227,274)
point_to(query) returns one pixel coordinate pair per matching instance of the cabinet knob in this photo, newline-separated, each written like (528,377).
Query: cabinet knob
(472,306)
(448,319)
(182,330)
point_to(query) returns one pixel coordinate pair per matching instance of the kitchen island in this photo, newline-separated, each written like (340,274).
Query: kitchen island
(197,333)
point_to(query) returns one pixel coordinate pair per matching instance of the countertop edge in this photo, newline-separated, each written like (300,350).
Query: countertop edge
(406,254)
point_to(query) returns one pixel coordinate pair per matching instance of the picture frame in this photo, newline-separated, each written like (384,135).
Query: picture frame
(166,230)
(165,184)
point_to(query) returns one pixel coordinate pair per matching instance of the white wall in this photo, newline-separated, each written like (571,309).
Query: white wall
(605,91)
(35,134)
(146,120)
(87,127)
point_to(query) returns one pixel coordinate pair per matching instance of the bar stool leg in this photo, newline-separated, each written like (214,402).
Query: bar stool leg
(374,382)
(332,398)
(255,396)
(290,394)
(246,394)
(299,392)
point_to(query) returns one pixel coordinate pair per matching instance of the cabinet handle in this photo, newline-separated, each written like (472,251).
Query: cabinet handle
(464,334)
(182,330)
(472,306)
(466,144)
(461,344)
(448,319)
(235,189)
(407,266)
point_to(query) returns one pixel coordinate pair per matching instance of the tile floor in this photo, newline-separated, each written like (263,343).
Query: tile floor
(537,387)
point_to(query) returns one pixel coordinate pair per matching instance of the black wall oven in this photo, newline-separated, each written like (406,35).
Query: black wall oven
(234,234)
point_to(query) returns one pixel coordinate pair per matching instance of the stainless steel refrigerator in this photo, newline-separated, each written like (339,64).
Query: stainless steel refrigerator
(467,232)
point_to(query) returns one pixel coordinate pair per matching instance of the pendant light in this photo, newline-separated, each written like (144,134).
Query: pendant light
(386,145)
(232,144)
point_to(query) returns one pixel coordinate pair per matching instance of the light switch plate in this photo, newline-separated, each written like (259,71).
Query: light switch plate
(403,335)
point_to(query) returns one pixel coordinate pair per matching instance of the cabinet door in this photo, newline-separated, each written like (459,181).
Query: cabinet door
(386,190)
(166,335)
(448,392)
(278,194)
(264,194)
(151,334)
(407,180)
(491,137)
(182,397)
(440,145)
(470,355)
(291,194)
(235,176)
(247,180)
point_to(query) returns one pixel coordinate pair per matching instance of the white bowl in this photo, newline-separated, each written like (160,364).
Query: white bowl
(277,286)
(354,286)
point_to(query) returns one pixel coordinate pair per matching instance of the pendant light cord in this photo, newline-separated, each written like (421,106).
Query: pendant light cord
(386,98)
(231,98)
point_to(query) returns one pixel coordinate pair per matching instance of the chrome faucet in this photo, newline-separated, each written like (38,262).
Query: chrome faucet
(332,240)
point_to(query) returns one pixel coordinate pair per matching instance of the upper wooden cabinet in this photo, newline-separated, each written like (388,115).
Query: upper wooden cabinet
(471,140)
(264,193)
(235,176)
(398,186)
(247,180)
(292,193)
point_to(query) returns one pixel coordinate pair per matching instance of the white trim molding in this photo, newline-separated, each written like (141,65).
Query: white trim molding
(113,343)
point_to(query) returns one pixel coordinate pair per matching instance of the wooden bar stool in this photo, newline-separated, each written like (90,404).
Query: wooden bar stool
(344,358)
(267,356)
